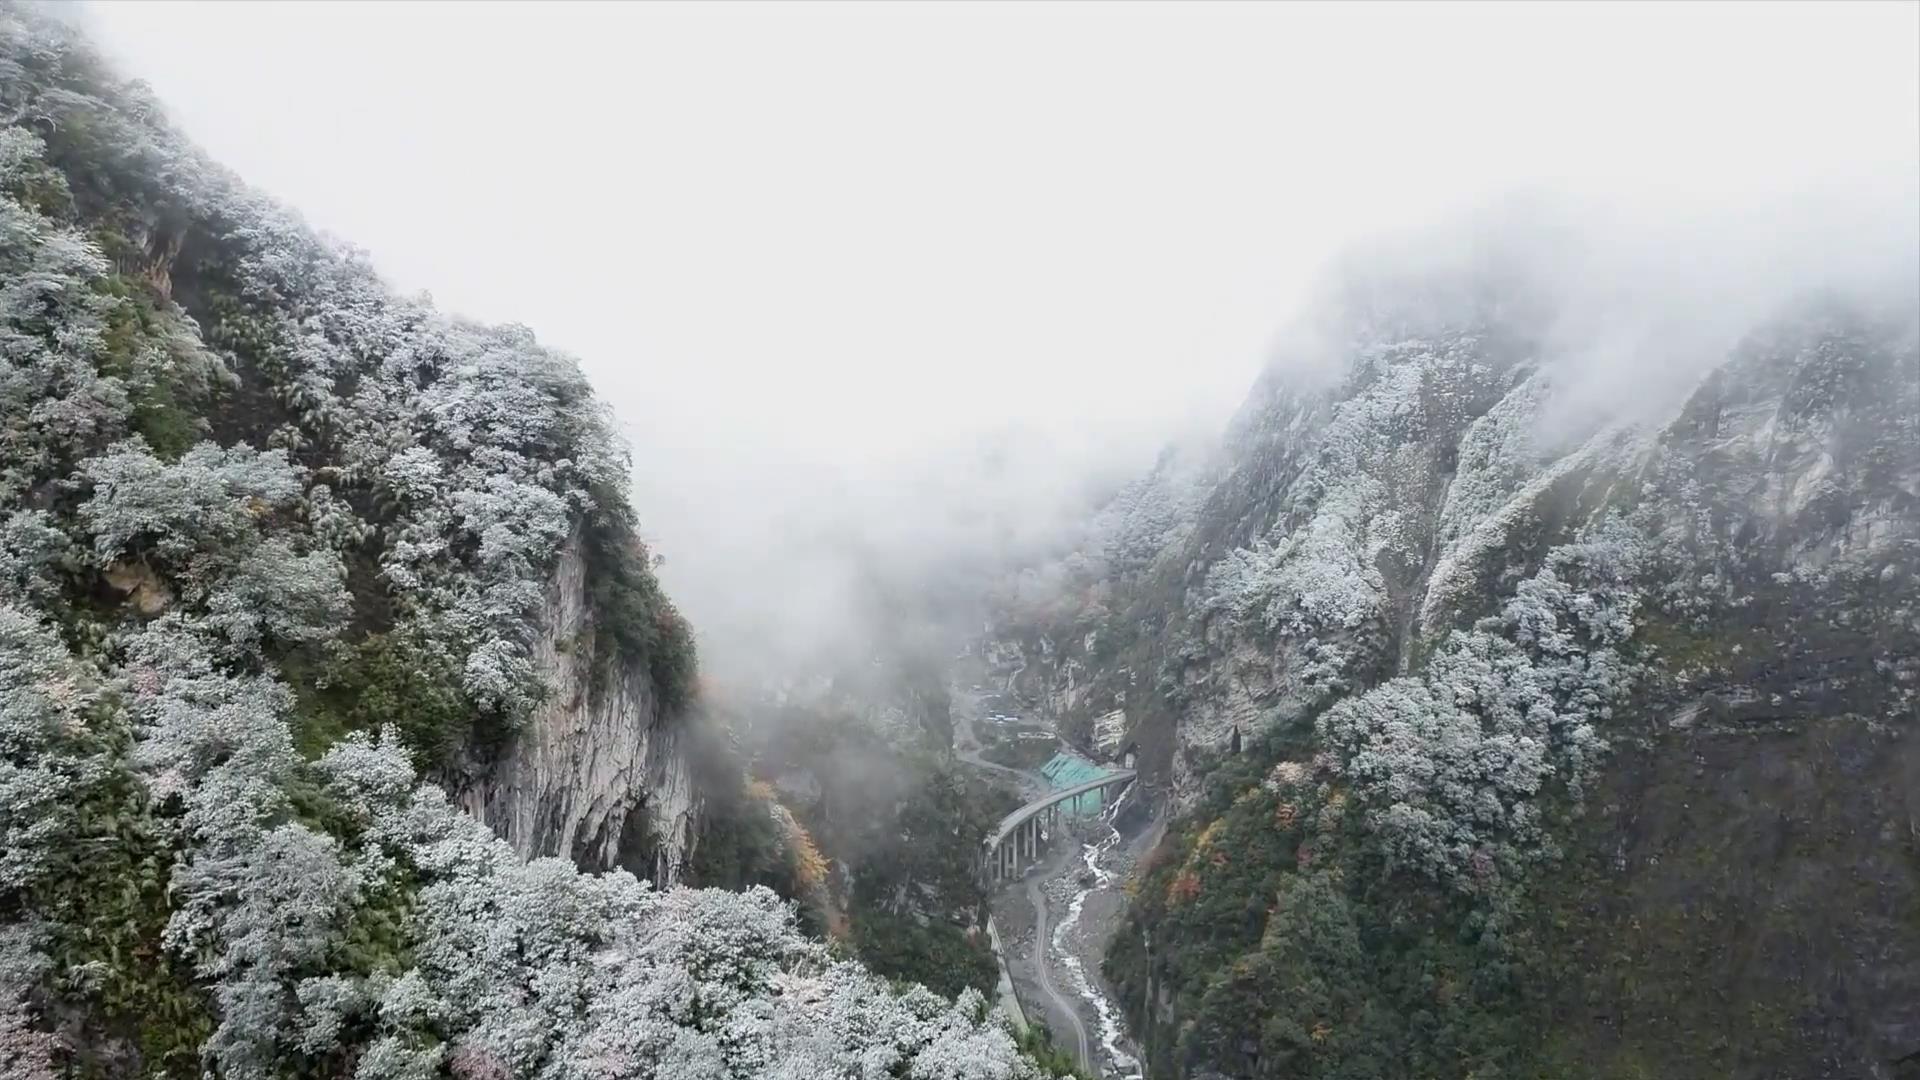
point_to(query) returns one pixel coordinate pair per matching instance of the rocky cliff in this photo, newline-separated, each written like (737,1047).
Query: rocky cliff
(598,772)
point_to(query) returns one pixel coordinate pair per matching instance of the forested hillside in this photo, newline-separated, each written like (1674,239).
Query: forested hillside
(288,558)
(1509,736)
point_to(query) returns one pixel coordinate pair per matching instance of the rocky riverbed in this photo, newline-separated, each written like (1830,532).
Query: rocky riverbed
(1056,923)
(1055,920)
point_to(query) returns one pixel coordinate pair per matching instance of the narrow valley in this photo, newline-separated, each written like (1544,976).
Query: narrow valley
(1065,542)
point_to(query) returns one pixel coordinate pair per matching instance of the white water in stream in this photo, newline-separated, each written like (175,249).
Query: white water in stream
(1111,1031)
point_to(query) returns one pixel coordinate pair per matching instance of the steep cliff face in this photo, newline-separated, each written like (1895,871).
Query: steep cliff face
(598,772)
(1742,898)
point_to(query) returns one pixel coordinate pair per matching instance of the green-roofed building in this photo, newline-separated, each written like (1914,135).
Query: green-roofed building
(1066,770)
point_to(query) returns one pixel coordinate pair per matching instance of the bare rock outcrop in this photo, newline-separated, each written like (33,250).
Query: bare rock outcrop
(600,773)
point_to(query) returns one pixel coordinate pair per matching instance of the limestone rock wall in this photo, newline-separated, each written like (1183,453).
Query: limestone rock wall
(601,778)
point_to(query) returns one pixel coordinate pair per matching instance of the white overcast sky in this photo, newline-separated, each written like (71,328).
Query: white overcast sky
(836,234)
(849,226)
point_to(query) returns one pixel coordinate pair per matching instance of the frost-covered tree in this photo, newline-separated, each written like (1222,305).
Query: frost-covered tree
(48,757)
(257,897)
(208,501)
(54,401)
(276,593)
(534,969)
(203,520)
(1451,765)
(34,551)
(27,1052)
(45,698)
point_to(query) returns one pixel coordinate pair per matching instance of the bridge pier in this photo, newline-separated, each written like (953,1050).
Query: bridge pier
(1019,835)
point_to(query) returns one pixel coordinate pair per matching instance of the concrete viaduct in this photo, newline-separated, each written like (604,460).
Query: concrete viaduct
(1015,842)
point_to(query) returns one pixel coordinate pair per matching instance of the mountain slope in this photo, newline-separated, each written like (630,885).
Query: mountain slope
(1512,740)
(278,543)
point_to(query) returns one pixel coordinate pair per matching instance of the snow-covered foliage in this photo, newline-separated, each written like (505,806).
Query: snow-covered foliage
(26,1053)
(1351,528)
(480,448)
(1318,577)
(1478,544)
(257,897)
(536,970)
(464,455)
(53,324)
(44,698)
(518,968)
(1145,517)
(32,552)
(1428,459)
(281,594)
(203,517)
(208,501)
(47,758)
(1451,765)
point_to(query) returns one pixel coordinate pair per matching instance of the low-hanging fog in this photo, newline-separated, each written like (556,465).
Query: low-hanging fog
(887,294)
